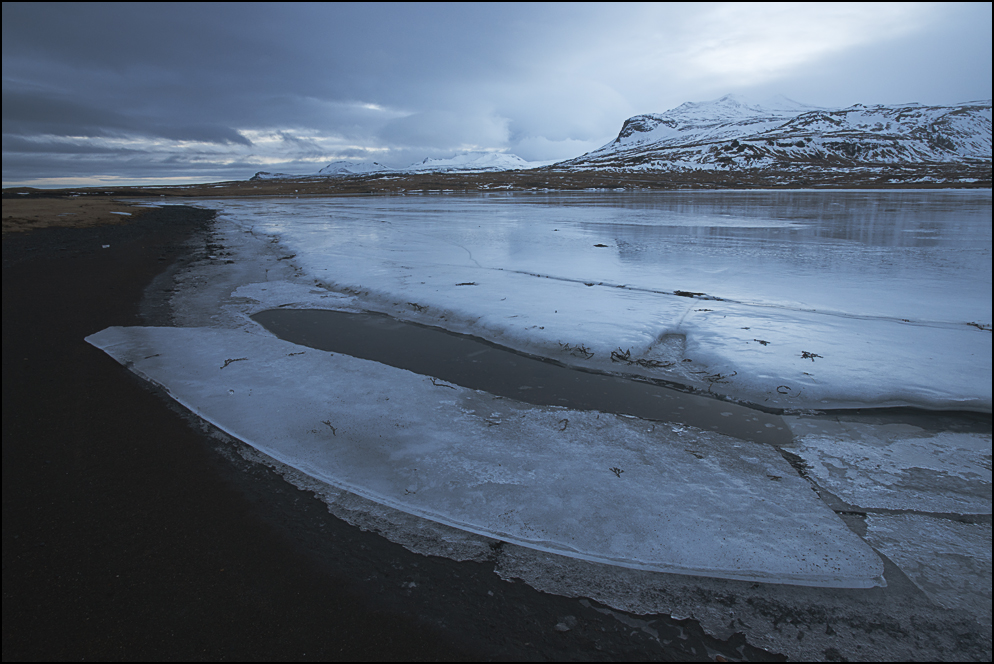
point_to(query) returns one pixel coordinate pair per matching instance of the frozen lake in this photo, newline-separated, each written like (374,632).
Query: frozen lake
(802,298)
(810,302)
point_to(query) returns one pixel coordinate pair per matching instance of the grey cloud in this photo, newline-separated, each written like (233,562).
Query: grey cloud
(27,113)
(20,145)
(135,165)
(952,63)
(445,130)
(301,144)
(206,133)
(539,148)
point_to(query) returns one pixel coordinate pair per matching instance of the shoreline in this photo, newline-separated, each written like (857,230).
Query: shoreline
(931,177)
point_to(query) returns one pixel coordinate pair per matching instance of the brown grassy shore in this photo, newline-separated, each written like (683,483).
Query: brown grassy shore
(131,533)
(22,214)
(933,176)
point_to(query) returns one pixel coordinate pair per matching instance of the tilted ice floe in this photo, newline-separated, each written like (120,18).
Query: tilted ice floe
(590,485)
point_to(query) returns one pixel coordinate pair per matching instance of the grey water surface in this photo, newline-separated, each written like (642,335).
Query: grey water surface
(477,364)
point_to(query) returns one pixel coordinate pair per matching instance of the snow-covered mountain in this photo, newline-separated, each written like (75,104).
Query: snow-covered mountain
(733,132)
(476,162)
(266,175)
(471,162)
(343,167)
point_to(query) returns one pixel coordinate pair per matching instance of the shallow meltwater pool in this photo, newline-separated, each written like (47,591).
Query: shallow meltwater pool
(476,364)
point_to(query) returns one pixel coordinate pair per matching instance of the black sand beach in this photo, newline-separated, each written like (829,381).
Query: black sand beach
(130,533)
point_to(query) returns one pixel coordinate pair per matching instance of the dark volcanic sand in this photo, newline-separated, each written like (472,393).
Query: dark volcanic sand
(127,534)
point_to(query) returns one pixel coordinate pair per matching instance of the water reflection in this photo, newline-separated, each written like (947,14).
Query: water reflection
(886,219)
(897,254)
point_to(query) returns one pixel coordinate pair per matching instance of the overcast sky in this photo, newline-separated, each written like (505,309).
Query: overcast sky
(158,93)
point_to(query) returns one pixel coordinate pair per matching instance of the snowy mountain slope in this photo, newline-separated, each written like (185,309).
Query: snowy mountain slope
(732,132)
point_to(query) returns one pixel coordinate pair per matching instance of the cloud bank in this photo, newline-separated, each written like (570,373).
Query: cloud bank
(218,92)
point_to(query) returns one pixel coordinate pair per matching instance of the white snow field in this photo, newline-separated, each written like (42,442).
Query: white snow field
(806,300)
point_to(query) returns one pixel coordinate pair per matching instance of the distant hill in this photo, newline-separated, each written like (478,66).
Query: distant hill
(781,134)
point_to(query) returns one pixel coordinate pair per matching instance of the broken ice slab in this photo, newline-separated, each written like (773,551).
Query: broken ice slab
(948,560)
(600,487)
(897,466)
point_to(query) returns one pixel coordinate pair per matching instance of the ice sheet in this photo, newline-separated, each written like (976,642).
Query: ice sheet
(804,298)
(599,487)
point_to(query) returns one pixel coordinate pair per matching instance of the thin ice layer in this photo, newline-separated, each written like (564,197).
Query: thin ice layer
(585,484)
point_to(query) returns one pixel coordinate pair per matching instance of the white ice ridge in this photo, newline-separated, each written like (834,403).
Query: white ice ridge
(595,486)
